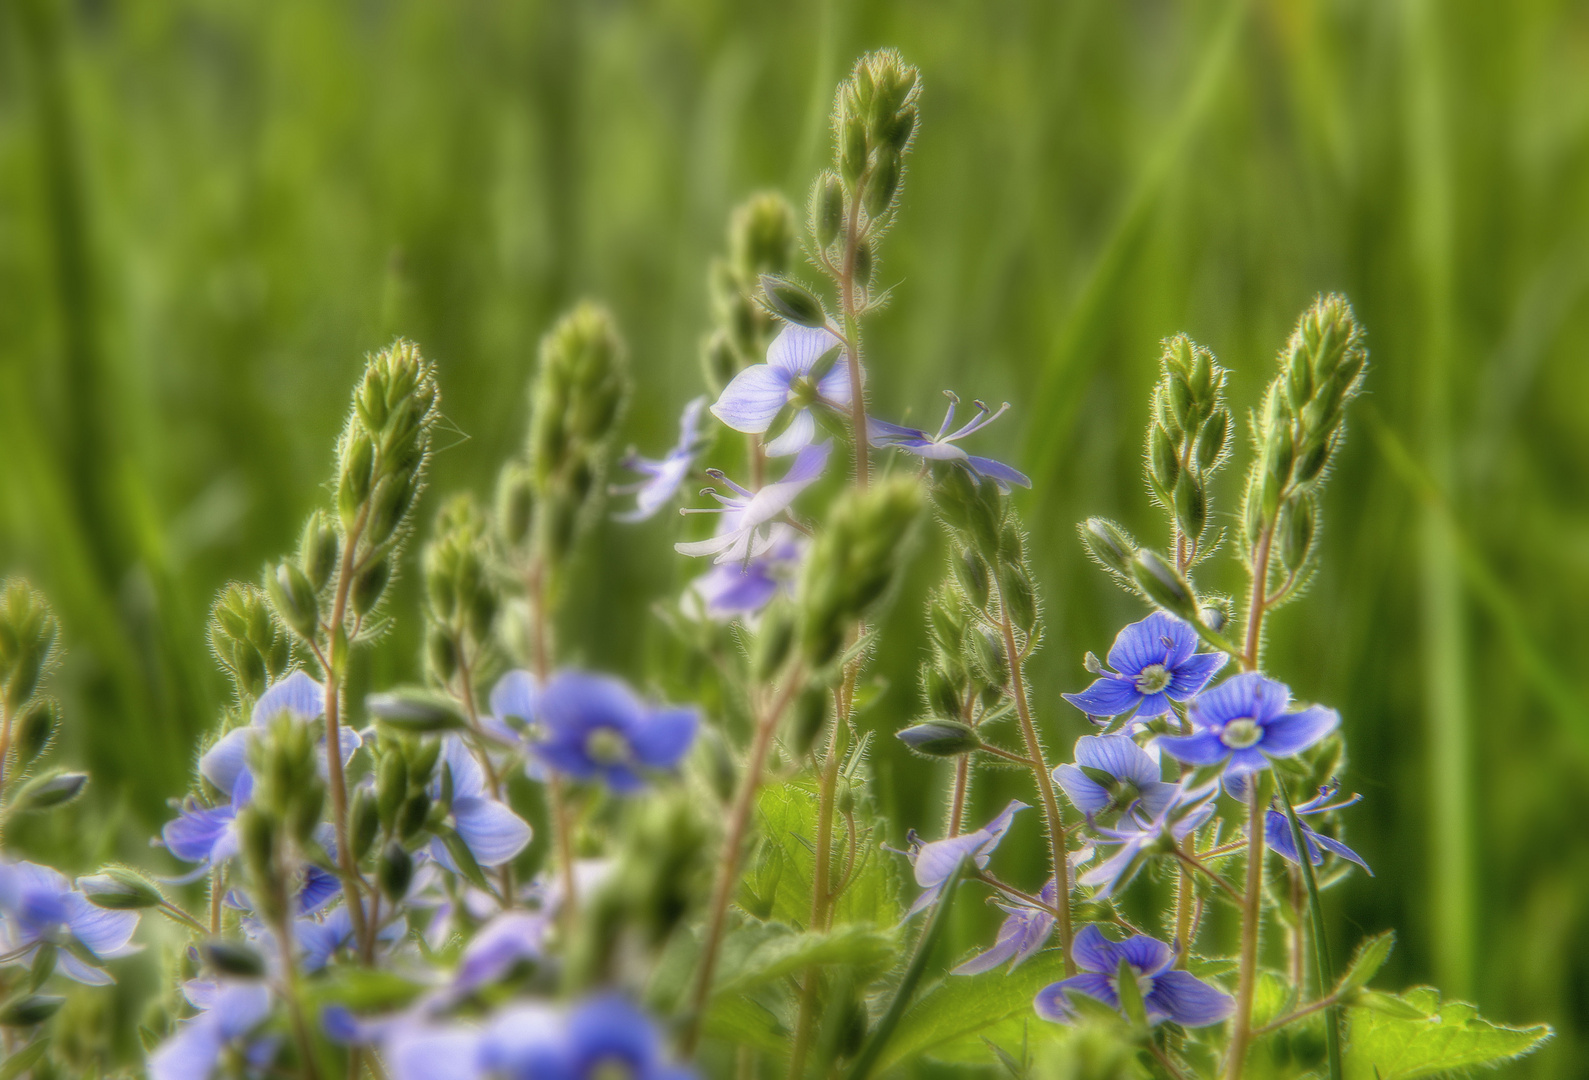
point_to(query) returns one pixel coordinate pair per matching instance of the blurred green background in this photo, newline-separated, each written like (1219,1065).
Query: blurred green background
(210,211)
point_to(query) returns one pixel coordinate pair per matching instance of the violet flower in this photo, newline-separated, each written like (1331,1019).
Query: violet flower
(1113,773)
(1243,723)
(1155,662)
(1137,839)
(941,447)
(934,862)
(593,727)
(756,396)
(229,1013)
(744,535)
(1166,994)
(492,832)
(1277,830)
(38,906)
(664,475)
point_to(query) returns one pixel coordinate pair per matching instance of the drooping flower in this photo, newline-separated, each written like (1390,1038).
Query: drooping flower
(1277,830)
(935,861)
(229,1013)
(729,589)
(744,534)
(941,447)
(1243,722)
(492,832)
(1155,662)
(664,475)
(1122,777)
(1166,994)
(593,727)
(754,398)
(38,906)
(1137,839)
(1020,935)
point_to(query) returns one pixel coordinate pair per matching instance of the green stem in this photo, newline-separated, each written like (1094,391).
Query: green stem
(1252,910)
(1321,947)
(348,871)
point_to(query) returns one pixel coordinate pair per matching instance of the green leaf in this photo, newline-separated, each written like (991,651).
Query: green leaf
(744,1020)
(778,886)
(953,1013)
(758,954)
(1451,1036)
(24,1059)
(1130,994)
(1366,962)
(1321,948)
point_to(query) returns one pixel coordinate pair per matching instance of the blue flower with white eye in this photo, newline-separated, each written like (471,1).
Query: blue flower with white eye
(757,395)
(744,534)
(38,906)
(1137,838)
(1244,723)
(1166,994)
(730,590)
(1113,773)
(1155,662)
(493,833)
(934,862)
(664,475)
(941,447)
(1277,830)
(229,1014)
(593,727)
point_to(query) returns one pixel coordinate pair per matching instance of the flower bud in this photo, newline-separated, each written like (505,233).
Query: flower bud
(1164,465)
(394,871)
(943,691)
(416,710)
(940,738)
(120,888)
(827,209)
(884,184)
(30,1009)
(35,728)
(1109,544)
(972,574)
(317,550)
(1297,527)
(986,650)
(1163,584)
(852,147)
(364,821)
(28,635)
(1191,505)
(863,263)
(391,785)
(1213,439)
(792,302)
(416,810)
(370,585)
(293,597)
(1020,600)
(234,958)
(50,790)
(355,475)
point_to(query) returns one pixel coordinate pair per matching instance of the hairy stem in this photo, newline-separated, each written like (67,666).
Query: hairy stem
(562,828)
(1247,978)
(957,801)
(348,871)
(1045,789)
(852,336)
(728,862)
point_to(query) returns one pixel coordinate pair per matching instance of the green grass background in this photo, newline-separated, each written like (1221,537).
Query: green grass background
(210,211)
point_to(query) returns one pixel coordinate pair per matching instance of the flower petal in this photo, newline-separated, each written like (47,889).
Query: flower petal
(1188,1000)
(191,1054)
(417,1052)
(1107,696)
(998,472)
(1295,732)
(515,694)
(664,737)
(297,693)
(494,833)
(223,762)
(1193,673)
(503,942)
(1094,952)
(609,1028)
(1053,1001)
(1148,955)
(1084,794)
(754,397)
(1117,755)
(105,932)
(797,349)
(1200,748)
(796,437)
(192,835)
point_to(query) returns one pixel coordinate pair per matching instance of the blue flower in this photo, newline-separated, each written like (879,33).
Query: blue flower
(757,395)
(39,906)
(604,1036)
(729,590)
(228,1014)
(743,536)
(1155,662)
(1138,839)
(493,833)
(501,944)
(1277,830)
(1243,722)
(1166,994)
(1134,778)
(934,862)
(941,447)
(320,939)
(664,475)
(593,727)
(1024,932)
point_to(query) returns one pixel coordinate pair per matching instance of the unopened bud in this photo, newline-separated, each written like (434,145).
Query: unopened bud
(1163,584)
(792,302)
(120,888)
(30,1009)
(28,634)
(415,812)
(943,692)
(317,551)
(395,871)
(293,597)
(1020,600)
(416,710)
(940,738)
(1213,439)
(1109,544)
(234,958)
(391,785)
(972,574)
(50,790)
(35,728)
(370,585)
(1298,524)
(827,209)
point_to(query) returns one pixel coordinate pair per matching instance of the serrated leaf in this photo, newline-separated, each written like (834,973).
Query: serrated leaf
(1366,962)
(24,1059)
(759,954)
(1453,1036)
(962,1006)
(779,885)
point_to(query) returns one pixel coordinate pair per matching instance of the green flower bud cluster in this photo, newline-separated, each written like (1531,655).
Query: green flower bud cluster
(853,563)
(874,120)
(247,639)
(1188,440)
(577,398)
(29,636)
(461,600)
(400,806)
(761,240)
(287,782)
(1297,432)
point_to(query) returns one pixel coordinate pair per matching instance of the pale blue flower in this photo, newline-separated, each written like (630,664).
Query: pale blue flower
(593,727)
(747,514)
(664,475)
(757,395)
(229,1014)
(493,833)
(1137,838)
(1166,994)
(1155,662)
(941,447)
(1135,782)
(38,906)
(1244,723)
(934,862)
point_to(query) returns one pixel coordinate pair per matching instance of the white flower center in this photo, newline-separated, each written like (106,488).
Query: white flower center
(606,747)
(1152,679)
(1242,733)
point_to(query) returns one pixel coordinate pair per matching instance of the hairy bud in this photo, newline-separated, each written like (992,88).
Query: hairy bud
(940,738)
(28,636)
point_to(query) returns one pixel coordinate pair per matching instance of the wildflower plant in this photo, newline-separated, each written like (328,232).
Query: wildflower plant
(519,864)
